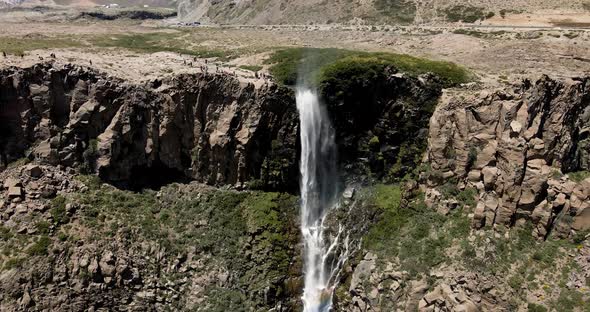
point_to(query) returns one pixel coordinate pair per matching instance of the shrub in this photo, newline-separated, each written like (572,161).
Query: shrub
(578,176)
(62,236)
(58,210)
(467,196)
(374,142)
(399,11)
(515,282)
(39,248)
(14,263)
(450,189)
(43,227)
(580,236)
(536,308)
(569,300)
(5,233)
(471,158)
(467,14)
(90,155)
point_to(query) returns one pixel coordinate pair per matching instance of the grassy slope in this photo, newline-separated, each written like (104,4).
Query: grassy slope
(421,240)
(249,234)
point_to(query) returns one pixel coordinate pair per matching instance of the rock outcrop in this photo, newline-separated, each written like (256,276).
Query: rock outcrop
(513,146)
(208,128)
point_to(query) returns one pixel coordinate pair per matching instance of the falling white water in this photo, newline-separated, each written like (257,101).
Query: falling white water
(323,256)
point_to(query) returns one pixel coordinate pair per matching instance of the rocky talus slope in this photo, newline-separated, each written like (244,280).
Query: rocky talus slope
(71,244)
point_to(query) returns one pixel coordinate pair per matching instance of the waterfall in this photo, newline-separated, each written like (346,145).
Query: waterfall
(323,257)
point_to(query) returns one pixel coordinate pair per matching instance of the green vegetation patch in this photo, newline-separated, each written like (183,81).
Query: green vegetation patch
(570,300)
(40,247)
(250,234)
(413,233)
(317,66)
(578,176)
(466,13)
(58,210)
(160,42)
(479,34)
(419,239)
(397,11)
(18,46)
(130,13)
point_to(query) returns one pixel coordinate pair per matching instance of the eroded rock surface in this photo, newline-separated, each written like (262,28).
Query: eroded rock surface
(209,128)
(513,146)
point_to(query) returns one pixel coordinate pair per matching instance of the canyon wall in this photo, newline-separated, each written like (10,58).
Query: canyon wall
(524,149)
(208,128)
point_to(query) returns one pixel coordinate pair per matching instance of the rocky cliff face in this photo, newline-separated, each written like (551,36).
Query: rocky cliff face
(502,160)
(500,218)
(514,147)
(70,242)
(208,128)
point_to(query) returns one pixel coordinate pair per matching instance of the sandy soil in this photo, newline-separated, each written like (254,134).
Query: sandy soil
(542,19)
(134,67)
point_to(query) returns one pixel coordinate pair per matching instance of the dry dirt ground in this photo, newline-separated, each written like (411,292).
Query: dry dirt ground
(496,54)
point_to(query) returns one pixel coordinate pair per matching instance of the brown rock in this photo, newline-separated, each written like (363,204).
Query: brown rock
(15,191)
(490,175)
(34,171)
(581,221)
(11,182)
(479,215)
(521,140)
(560,200)
(474,175)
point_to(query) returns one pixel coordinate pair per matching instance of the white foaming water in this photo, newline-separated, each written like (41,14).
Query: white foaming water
(323,256)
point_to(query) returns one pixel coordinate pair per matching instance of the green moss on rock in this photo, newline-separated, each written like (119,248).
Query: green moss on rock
(349,66)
